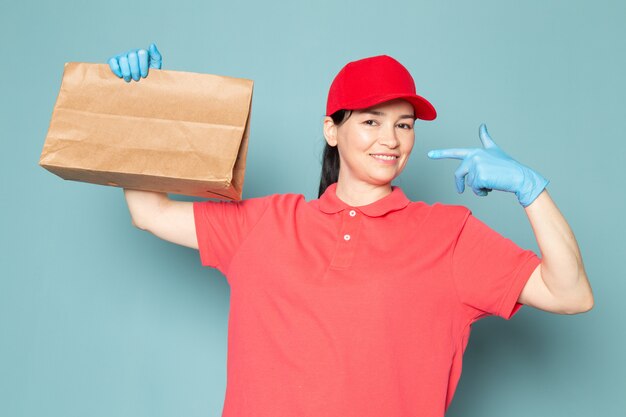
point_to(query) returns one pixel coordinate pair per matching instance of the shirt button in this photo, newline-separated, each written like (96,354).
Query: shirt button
(346,237)
(352,213)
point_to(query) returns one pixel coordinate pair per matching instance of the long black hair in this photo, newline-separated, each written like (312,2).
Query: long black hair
(330,157)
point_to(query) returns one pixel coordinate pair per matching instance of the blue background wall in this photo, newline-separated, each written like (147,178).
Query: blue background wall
(98,318)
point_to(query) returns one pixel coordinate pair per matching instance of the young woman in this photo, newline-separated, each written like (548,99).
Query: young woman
(360,303)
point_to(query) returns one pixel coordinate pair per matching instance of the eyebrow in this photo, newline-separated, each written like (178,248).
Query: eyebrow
(380,113)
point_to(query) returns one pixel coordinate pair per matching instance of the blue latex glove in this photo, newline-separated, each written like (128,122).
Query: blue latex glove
(135,63)
(490,168)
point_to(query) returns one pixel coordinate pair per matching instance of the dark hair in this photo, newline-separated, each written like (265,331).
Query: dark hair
(330,157)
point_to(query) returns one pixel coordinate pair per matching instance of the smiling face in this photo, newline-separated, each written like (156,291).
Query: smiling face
(374,144)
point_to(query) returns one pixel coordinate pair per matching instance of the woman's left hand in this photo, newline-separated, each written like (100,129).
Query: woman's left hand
(489,168)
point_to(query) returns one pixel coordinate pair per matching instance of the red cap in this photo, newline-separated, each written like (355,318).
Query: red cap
(370,81)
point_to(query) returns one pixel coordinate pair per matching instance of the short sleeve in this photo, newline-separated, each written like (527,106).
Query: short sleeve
(489,270)
(222,226)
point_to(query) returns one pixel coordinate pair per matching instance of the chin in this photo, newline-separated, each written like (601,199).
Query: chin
(381,180)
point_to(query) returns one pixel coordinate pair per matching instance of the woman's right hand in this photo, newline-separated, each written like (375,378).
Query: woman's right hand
(135,63)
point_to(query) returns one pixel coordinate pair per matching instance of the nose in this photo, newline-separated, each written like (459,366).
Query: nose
(389,138)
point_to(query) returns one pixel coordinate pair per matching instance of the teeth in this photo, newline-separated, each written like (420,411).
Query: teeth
(385,157)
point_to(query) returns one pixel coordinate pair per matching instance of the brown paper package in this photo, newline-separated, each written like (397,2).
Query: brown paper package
(174,132)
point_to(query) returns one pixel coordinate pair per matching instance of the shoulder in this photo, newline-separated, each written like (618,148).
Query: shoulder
(280,202)
(254,206)
(283,200)
(266,200)
(440,218)
(450,211)
(447,212)
(435,210)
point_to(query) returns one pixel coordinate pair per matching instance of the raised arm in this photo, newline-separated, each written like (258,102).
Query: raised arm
(559,284)
(168,219)
(155,212)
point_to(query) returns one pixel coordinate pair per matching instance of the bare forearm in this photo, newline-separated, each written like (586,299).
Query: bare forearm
(562,268)
(143,205)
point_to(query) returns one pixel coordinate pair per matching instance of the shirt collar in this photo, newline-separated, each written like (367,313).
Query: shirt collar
(329,203)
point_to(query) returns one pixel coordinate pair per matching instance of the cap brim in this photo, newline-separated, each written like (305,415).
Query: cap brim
(422,107)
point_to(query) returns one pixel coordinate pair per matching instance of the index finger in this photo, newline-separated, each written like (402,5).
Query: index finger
(454,153)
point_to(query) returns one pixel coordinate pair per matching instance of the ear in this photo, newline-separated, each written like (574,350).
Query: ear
(330,131)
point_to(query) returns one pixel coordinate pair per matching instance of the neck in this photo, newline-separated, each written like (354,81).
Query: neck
(361,194)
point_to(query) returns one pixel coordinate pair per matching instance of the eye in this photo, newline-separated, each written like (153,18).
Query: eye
(406,126)
(367,122)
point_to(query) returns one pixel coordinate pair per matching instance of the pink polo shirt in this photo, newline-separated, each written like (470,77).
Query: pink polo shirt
(340,311)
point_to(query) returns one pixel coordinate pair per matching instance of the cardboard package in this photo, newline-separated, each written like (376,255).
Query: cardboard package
(174,132)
